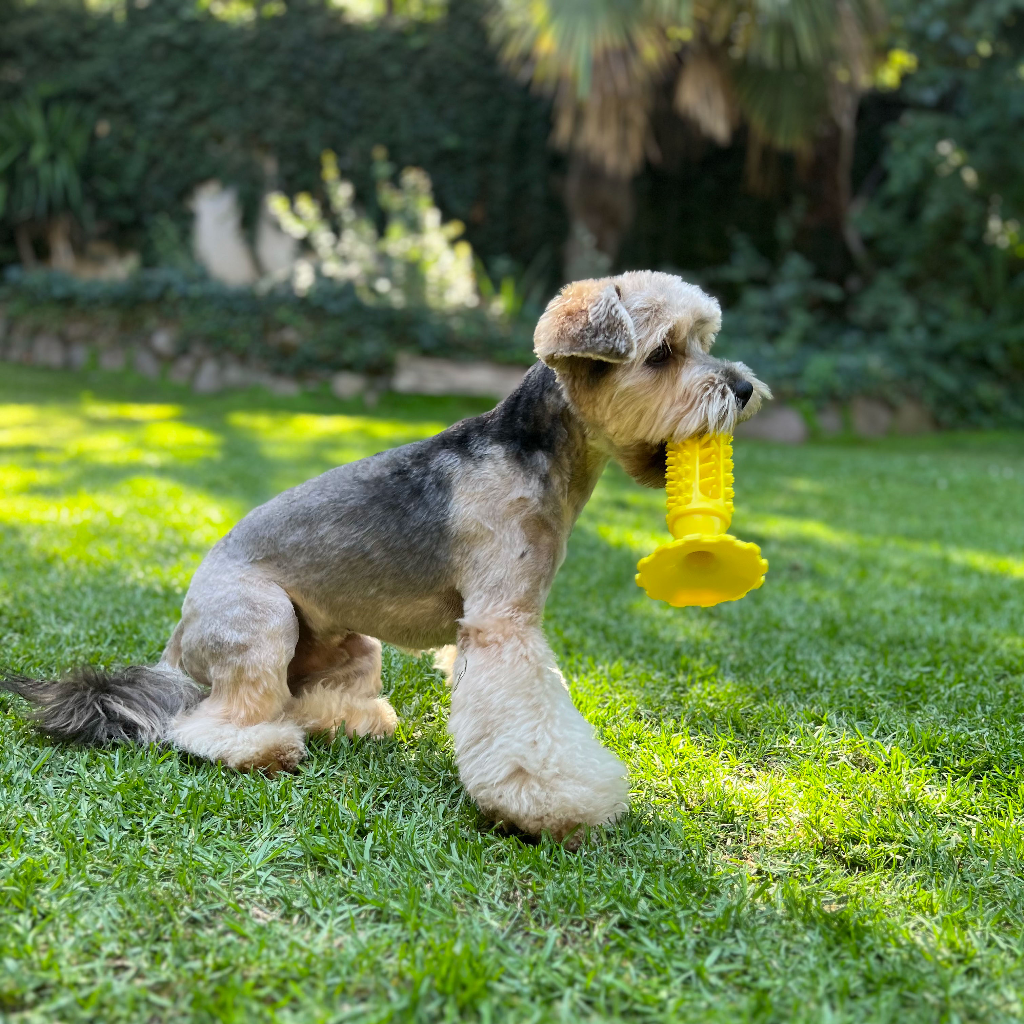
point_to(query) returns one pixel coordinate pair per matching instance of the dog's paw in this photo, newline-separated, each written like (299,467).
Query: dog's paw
(329,709)
(560,802)
(268,748)
(444,661)
(370,717)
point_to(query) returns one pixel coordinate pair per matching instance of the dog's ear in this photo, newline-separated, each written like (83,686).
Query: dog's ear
(586,319)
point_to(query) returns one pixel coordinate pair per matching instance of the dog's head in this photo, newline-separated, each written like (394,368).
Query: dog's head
(631,353)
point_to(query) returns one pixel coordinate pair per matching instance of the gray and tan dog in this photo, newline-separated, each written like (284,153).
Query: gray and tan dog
(452,539)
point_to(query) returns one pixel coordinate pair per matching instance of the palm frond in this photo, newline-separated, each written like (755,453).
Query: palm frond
(795,35)
(791,35)
(784,107)
(603,59)
(612,126)
(553,41)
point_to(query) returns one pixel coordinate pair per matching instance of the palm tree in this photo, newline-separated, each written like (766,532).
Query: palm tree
(782,67)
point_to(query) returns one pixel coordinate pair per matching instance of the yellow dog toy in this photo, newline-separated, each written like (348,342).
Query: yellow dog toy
(704,565)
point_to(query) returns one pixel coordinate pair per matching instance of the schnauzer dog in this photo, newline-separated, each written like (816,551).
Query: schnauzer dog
(455,539)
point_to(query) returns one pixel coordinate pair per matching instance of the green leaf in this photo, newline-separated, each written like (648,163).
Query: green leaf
(41,153)
(784,106)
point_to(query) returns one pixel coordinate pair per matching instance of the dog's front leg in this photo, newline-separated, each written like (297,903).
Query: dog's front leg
(525,754)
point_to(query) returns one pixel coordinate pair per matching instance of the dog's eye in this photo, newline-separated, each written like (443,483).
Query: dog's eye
(662,354)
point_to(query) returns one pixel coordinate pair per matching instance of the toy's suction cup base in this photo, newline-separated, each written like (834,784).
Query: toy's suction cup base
(702,570)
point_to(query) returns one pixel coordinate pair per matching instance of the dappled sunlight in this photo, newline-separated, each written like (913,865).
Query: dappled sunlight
(105,434)
(965,494)
(802,485)
(141,412)
(301,445)
(148,488)
(820,790)
(789,528)
(642,535)
(281,432)
(985,562)
(272,449)
(630,538)
(151,526)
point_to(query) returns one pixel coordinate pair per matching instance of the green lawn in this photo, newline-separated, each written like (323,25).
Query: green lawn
(827,775)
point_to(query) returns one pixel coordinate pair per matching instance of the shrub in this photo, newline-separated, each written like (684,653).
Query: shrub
(330,328)
(939,313)
(179,96)
(415,262)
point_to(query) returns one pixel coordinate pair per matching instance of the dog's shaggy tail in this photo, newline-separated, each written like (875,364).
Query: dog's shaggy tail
(91,705)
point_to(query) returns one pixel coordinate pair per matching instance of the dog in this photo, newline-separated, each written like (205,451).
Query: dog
(453,539)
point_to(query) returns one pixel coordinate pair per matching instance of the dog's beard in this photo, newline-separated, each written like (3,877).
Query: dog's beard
(702,402)
(715,412)
(711,406)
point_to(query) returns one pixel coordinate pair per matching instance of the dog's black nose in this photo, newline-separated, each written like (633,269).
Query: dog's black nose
(742,389)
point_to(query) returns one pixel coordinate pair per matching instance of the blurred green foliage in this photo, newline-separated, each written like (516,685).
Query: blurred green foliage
(939,313)
(253,93)
(182,95)
(42,147)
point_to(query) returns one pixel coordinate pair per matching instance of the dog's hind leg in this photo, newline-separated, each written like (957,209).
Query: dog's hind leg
(337,682)
(237,636)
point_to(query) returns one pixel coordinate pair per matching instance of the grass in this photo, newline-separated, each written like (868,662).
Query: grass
(827,775)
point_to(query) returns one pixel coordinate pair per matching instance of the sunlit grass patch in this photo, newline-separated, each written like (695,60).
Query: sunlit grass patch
(291,429)
(110,433)
(828,775)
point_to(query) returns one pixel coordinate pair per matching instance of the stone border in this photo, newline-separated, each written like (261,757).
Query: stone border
(862,417)
(160,354)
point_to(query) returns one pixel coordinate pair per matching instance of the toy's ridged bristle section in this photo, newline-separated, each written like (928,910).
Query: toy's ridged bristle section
(716,477)
(727,476)
(711,457)
(710,480)
(679,476)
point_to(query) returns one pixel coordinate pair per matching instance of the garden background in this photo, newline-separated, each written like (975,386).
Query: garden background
(827,819)
(845,177)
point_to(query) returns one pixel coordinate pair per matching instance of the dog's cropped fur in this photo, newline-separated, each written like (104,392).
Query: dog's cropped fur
(455,539)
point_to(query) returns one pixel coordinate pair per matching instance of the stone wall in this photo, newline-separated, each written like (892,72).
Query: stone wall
(862,417)
(159,352)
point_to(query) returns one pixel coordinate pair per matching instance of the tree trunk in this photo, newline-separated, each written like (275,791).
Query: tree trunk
(23,240)
(601,210)
(58,234)
(845,104)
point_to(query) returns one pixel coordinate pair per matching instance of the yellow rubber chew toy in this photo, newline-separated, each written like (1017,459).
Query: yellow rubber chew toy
(704,565)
